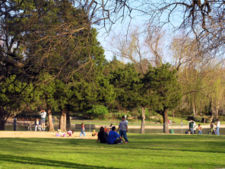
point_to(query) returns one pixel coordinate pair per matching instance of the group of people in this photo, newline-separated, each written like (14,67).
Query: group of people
(214,127)
(112,137)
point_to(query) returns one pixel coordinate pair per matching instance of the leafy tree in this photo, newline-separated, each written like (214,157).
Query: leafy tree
(14,97)
(98,111)
(164,90)
(83,95)
(126,83)
(48,43)
(43,35)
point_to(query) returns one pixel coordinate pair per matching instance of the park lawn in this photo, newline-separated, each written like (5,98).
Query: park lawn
(143,151)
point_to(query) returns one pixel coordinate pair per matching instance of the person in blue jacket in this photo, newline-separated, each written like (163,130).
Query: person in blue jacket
(113,137)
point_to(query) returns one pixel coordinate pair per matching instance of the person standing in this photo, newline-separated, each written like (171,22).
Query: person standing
(212,128)
(36,123)
(43,116)
(123,128)
(194,127)
(191,126)
(218,127)
(82,132)
(199,129)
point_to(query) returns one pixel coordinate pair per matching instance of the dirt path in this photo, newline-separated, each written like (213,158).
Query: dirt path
(33,134)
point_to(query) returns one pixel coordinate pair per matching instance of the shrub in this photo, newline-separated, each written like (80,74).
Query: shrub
(98,111)
(198,118)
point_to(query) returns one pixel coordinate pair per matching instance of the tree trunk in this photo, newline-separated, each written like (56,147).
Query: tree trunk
(51,124)
(2,124)
(68,122)
(217,111)
(165,121)
(142,120)
(194,108)
(63,121)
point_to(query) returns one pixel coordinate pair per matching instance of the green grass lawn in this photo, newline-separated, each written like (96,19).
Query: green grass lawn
(143,151)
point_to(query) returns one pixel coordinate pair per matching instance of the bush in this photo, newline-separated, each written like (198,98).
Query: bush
(98,111)
(198,118)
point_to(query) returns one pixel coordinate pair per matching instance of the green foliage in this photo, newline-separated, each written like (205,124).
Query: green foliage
(126,82)
(98,111)
(161,85)
(15,95)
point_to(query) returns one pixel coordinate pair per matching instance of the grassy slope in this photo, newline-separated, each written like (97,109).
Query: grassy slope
(143,151)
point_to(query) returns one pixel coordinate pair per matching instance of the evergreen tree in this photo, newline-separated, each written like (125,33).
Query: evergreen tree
(164,90)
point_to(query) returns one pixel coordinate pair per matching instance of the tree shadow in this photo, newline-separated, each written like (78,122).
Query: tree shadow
(46,162)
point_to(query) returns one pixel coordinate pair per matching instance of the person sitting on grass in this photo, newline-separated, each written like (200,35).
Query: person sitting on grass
(94,133)
(199,129)
(114,137)
(70,133)
(102,135)
(60,133)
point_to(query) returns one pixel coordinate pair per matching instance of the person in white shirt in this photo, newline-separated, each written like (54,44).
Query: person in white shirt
(218,127)
(43,116)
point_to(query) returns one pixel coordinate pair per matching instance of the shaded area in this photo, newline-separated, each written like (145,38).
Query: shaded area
(46,162)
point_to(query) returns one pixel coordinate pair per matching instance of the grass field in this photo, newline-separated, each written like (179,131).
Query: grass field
(143,151)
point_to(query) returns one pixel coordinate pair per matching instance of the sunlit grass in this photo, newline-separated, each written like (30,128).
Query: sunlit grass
(143,151)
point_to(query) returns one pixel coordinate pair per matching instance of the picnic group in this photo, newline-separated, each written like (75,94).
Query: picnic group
(105,135)
(112,137)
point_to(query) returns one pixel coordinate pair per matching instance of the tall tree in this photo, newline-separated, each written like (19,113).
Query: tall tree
(165,94)
(14,97)
(125,81)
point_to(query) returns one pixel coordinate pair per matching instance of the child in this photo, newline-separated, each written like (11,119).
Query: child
(60,133)
(37,124)
(94,133)
(199,129)
(82,132)
(69,133)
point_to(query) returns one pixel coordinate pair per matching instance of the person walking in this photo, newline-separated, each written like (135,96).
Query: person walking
(217,127)
(43,116)
(123,128)
(82,132)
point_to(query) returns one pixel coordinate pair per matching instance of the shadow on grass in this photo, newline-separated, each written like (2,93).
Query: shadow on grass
(46,162)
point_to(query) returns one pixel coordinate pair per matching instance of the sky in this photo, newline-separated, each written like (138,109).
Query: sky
(121,28)
(110,40)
